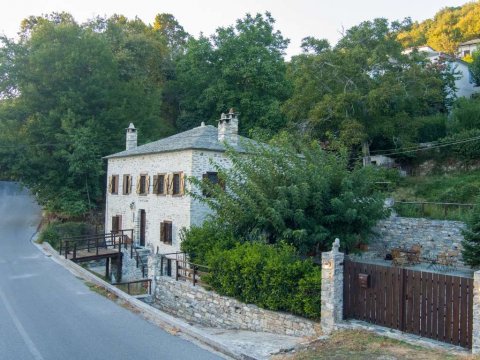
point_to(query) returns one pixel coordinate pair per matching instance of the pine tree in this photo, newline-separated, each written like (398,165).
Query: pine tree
(471,243)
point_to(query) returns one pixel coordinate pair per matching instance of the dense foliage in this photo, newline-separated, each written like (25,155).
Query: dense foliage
(305,200)
(56,231)
(365,90)
(273,277)
(68,90)
(471,243)
(449,27)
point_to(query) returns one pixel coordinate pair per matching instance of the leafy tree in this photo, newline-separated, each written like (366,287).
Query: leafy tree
(241,66)
(67,92)
(449,27)
(366,83)
(471,242)
(305,200)
(474,67)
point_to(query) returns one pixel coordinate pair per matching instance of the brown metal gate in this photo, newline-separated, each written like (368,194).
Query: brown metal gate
(432,305)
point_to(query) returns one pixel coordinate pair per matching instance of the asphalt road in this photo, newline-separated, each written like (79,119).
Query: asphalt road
(47,313)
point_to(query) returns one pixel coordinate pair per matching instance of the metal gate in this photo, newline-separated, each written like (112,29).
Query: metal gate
(427,304)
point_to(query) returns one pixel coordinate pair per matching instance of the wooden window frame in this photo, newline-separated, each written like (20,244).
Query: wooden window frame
(116,220)
(181,184)
(156,185)
(127,184)
(166,232)
(218,181)
(115,183)
(146,185)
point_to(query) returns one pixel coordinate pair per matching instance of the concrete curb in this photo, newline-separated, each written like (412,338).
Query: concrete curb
(150,313)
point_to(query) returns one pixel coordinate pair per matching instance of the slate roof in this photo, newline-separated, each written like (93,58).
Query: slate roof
(199,138)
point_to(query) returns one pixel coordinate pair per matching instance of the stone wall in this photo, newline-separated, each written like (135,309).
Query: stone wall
(207,308)
(435,236)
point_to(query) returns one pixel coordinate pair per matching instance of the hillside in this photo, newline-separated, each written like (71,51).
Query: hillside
(449,27)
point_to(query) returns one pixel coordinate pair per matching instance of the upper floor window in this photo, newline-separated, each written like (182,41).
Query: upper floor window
(213,178)
(159,184)
(143,184)
(113,185)
(127,184)
(177,186)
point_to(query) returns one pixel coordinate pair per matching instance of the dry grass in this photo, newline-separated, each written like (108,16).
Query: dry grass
(364,345)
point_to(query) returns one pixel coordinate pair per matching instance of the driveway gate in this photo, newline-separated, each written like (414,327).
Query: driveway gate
(432,305)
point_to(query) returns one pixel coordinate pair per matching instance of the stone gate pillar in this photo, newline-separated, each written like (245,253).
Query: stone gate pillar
(476,314)
(332,288)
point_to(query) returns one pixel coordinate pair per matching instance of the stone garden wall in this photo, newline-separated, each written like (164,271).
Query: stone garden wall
(434,236)
(207,308)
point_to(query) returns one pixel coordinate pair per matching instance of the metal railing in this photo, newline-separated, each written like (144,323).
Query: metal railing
(177,266)
(95,244)
(433,210)
(128,284)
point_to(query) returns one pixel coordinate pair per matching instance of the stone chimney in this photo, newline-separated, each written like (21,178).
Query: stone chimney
(131,137)
(228,128)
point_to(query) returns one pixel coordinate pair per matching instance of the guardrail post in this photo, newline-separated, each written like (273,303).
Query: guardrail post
(194,270)
(176,270)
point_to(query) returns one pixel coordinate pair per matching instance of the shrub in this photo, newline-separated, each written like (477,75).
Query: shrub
(271,276)
(469,150)
(56,231)
(471,242)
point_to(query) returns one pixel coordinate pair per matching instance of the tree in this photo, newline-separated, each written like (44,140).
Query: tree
(67,92)
(241,66)
(366,81)
(474,67)
(471,242)
(306,200)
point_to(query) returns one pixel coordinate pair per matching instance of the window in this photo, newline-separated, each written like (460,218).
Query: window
(212,177)
(166,232)
(116,224)
(127,184)
(466,52)
(159,184)
(143,184)
(113,185)
(176,185)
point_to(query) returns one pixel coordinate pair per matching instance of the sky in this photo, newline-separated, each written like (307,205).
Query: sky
(296,19)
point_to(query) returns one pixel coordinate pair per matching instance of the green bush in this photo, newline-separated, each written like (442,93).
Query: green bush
(465,116)
(271,276)
(471,242)
(466,150)
(54,232)
(198,241)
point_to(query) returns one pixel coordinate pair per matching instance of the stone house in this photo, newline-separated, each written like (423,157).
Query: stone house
(467,48)
(147,190)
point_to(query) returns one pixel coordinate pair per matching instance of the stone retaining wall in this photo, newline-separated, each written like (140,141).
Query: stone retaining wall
(435,236)
(207,308)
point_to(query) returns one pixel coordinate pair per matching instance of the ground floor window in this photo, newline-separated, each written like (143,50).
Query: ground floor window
(166,232)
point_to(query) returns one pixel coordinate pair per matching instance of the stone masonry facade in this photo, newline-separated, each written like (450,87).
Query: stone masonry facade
(182,211)
(434,236)
(207,308)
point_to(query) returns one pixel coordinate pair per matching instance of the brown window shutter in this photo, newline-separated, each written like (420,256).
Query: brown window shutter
(155,184)
(114,223)
(147,184)
(169,232)
(110,184)
(182,183)
(124,186)
(137,188)
(169,184)
(119,222)
(130,178)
